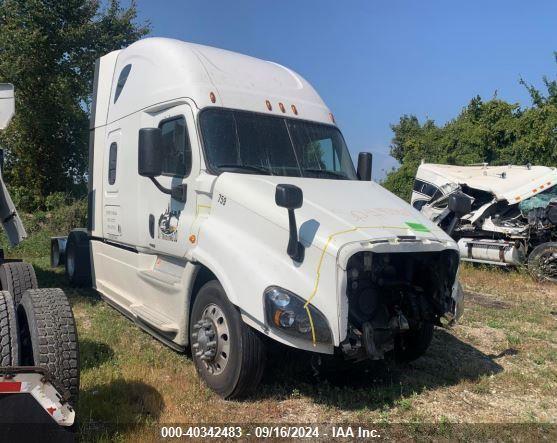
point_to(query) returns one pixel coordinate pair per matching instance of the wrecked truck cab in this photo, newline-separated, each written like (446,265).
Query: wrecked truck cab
(512,216)
(224,208)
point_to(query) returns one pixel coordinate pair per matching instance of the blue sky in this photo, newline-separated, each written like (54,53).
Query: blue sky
(373,61)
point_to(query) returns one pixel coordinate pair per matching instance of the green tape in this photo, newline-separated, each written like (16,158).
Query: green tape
(417,227)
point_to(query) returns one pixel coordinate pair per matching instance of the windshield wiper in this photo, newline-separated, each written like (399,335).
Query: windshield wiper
(233,167)
(327,172)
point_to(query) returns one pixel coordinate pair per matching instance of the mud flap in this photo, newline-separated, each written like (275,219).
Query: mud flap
(32,407)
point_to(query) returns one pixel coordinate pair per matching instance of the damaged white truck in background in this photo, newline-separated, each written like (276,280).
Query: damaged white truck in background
(501,215)
(225,210)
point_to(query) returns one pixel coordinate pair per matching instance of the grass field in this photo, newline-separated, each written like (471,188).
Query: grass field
(499,365)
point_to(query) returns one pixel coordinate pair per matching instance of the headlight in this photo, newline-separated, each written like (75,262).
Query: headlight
(287,312)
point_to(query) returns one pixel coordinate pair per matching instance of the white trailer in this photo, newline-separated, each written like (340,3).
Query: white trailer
(224,207)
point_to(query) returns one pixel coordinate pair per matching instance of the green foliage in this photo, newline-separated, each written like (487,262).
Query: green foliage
(63,215)
(48,50)
(55,201)
(492,131)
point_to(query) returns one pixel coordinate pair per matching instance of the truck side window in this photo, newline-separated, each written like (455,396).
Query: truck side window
(176,147)
(427,189)
(122,78)
(112,159)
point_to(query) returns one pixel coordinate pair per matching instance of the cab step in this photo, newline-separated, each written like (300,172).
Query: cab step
(155,319)
(161,279)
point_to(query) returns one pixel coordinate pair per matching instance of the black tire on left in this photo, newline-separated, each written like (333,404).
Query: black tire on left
(49,337)
(17,277)
(9,338)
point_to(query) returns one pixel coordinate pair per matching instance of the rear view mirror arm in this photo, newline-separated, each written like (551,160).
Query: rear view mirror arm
(161,187)
(177,192)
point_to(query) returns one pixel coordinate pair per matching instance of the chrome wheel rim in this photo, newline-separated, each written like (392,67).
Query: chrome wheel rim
(211,340)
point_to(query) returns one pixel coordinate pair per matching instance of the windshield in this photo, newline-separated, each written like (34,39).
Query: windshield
(540,200)
(251,143)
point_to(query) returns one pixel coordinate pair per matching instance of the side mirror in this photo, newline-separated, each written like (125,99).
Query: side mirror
(365,162)
(7,104)
(291,197)
(149,162)
(460,204)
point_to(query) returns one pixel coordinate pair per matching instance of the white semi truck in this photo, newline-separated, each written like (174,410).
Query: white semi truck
(224,208)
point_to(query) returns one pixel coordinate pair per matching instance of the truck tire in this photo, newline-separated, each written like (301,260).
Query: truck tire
(78,259)
(9,338)
(17,277)
(228,355)
(542,262)
(413,343)
(49,337)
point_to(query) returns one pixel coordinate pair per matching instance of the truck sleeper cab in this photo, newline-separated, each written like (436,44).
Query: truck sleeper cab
(224,207)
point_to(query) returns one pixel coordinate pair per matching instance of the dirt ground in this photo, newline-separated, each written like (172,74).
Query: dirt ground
(499,365)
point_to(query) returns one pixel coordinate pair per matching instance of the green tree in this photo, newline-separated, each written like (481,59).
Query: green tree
(48,50)
(493,131)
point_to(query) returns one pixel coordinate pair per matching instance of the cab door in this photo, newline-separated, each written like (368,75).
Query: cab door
(167,221)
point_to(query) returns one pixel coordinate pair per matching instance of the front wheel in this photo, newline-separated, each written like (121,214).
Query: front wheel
(542,262)
(228,355)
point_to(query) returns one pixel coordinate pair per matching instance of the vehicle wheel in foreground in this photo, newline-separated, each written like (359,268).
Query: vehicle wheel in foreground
(78,260)
(228,355)
(542,262)
(9,339)
(49,337)
(17,277)
(413,343)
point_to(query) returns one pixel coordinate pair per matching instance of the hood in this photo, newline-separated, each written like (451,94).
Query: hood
(334,212)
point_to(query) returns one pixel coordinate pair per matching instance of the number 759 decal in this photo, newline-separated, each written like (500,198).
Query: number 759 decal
(222,199)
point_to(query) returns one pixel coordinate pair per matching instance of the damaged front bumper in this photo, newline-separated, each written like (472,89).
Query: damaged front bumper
(454,315)
(397,291)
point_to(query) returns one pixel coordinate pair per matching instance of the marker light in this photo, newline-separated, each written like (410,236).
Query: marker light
(281,106)
(269,106)
(294,109)
(332,117)
(212,97)
(192,238)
